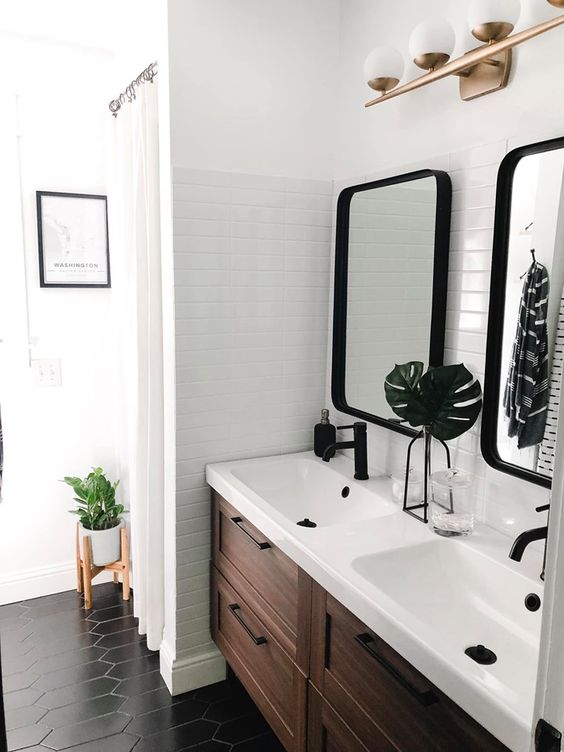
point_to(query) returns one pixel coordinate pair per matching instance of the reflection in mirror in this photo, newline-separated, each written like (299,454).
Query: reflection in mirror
(390,286)
(533,328)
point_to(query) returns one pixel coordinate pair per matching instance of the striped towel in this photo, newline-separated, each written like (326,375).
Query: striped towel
(545,461)
(526,391)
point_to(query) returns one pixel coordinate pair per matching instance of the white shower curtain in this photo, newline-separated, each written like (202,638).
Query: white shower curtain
(138,288)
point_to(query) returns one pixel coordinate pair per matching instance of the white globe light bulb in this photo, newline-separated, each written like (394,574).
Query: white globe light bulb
(431,43)
(383,68)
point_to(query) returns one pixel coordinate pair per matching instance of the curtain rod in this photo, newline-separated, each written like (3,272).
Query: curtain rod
(146,76)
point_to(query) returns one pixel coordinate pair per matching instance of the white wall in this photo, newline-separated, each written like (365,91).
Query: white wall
(253,85)
(51,432)
(252,115)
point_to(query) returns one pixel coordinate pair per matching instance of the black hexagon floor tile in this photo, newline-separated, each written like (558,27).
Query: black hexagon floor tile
(85,681)
(25,716)
(11,611)
(241,729)
(168,717)
(123,742)
(86,731)
(21,698)
(149,701)
(128,669)
(178,738)
(82,711)
(266,743)
(26,736)
(57,698)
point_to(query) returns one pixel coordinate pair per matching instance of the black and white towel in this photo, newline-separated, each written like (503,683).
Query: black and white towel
(526,391)
(545,460)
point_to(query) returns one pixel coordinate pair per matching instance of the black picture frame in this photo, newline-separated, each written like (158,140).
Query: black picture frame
(496,312)
(439,295)
(43,278)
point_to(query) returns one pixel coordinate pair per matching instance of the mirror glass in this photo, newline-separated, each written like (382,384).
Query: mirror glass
(532,339)
(391,251)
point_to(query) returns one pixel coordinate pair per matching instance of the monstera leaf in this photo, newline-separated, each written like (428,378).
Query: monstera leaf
(401,386)
(447,400)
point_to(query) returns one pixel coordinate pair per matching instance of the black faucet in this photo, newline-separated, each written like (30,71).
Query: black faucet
(529,536)
(359,446)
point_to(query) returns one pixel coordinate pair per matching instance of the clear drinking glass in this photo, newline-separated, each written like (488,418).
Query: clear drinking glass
(452,503)
(414,487)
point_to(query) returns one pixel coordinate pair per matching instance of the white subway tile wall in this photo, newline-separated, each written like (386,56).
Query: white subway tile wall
(252,258)
(505,503)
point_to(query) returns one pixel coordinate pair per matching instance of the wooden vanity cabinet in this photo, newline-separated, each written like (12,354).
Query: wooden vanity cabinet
(261,611)
(322,679)
(378,693)
(327,732)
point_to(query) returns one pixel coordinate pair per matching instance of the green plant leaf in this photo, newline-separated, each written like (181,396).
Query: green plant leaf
(449,401)
(401,387)
(446,399)
(95,499)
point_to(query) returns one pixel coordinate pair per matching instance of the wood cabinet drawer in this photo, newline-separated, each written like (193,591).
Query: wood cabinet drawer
(242,551)
(268,673)
(327,732)
(374,689)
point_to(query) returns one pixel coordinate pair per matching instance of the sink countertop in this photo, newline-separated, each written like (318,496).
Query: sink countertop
(341,557)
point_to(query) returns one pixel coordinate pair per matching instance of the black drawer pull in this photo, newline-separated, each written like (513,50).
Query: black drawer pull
(425,698)
(234,608)
(258,544)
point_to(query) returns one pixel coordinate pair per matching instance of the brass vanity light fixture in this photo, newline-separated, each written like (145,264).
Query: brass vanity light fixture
(481,71)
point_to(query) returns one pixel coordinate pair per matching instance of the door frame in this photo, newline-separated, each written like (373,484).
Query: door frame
(549,699)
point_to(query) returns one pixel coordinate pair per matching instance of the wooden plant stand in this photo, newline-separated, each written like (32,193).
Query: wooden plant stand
(86,571)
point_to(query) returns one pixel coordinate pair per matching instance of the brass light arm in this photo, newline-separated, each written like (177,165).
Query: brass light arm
(464,64)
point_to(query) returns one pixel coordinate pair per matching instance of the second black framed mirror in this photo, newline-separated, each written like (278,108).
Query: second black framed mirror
(525,345)
(391,273)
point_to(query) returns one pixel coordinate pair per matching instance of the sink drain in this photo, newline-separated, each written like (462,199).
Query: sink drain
(481,654)
(532,602)
(306,523)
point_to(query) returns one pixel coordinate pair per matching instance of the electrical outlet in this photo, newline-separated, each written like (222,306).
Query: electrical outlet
(46,372)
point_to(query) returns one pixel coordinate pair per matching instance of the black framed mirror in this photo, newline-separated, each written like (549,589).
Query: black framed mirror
(391,273)
(525,343)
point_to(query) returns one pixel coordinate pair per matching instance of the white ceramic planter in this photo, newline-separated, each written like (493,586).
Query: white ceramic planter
(105,544)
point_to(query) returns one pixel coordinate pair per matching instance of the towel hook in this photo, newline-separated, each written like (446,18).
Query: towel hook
(532,265)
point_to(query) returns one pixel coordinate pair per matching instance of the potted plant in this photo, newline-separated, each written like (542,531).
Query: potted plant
(445,401)
(99,513)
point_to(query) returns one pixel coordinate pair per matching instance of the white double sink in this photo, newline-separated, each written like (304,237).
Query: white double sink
(429,597)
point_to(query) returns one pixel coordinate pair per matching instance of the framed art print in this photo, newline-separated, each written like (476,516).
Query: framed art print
(72,231)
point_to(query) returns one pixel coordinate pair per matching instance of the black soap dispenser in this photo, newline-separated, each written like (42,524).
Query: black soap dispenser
(324,434)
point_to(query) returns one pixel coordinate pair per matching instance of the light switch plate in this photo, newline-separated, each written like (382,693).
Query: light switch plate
(46,372)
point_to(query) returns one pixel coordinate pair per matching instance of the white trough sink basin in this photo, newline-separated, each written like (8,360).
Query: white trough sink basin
(298,487)
(449,589)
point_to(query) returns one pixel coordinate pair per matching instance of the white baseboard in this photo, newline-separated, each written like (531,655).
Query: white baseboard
(33,583)
(195,671)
